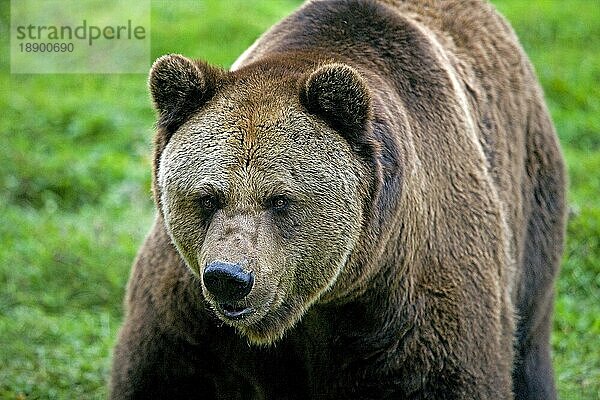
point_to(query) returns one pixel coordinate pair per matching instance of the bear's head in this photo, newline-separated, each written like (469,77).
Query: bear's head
(261,179)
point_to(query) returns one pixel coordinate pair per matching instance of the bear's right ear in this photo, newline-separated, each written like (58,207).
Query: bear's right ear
(179,87)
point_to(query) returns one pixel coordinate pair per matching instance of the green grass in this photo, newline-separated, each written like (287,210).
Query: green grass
(75,191)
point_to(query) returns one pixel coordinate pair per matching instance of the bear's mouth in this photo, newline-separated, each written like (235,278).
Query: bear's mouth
(233,311)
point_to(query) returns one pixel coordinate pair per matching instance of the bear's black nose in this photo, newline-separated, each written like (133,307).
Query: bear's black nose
(227,282)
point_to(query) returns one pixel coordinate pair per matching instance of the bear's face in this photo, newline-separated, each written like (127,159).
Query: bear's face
(263,199)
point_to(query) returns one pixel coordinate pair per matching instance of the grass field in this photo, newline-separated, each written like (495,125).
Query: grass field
(75,191)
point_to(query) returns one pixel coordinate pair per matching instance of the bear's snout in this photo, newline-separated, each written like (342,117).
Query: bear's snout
(227,282)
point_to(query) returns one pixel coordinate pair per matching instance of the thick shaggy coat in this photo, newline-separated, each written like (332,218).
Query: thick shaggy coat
(384,181)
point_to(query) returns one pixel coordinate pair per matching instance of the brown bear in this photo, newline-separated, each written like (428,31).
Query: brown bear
(369,205)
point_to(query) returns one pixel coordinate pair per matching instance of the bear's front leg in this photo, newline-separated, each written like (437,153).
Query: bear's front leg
(148,364)
(461,355)
(457,384)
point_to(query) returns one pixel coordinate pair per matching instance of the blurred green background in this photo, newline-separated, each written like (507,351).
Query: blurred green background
(75,190)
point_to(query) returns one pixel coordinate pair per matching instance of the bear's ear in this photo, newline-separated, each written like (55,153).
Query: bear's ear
(179,87)
(337,93)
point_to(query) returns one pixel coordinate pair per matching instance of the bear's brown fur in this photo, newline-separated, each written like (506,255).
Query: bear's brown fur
(384,180)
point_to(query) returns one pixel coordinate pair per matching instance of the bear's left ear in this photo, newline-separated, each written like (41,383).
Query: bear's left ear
(337,93)
(180,86)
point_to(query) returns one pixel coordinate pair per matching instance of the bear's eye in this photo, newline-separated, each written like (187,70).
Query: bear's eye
(208,203)
(278,203)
